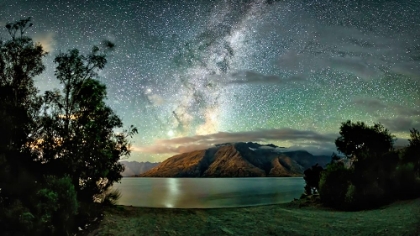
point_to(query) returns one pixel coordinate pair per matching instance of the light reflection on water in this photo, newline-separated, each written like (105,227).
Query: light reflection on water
(208,192)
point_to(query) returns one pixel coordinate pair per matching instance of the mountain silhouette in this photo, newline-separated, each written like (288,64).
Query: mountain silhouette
(237,160)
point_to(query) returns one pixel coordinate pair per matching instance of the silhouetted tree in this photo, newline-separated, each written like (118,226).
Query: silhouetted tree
(407,174)
(56,149)
(20,62)
(358,139)
(79,133)
(312,177)
(367,182)
(412,152)
(333,184)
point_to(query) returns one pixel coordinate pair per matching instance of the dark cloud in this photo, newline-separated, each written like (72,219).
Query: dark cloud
(354,65)
(325,149)
(374,105)
(184,144)
(401,124)
(407,111)
(366,54)
(369,104)
(409,68)
(251,77)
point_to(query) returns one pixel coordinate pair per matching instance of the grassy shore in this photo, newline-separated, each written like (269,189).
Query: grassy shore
(296,218)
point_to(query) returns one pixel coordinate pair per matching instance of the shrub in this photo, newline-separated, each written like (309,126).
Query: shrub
(312,176)
(406,182)
(350,194)
(56,205)
(16,219)
(333,185)
(111,197)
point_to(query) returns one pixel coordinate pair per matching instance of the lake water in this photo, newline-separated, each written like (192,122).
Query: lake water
(208,192)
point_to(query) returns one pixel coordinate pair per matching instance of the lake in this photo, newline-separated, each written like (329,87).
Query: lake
(208,192)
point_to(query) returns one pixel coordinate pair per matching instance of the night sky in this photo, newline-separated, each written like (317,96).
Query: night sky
(190,74)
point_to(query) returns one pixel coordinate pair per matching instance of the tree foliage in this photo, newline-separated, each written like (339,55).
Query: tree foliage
(312,176)
(79,127)
(333,185)
(412,152)
(56,205)
(58,151)
(20,61)
(376,174)
(357,139)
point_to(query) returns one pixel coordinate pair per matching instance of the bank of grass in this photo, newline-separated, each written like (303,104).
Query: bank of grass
(300,217)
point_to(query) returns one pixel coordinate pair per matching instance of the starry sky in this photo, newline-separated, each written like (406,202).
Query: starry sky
(191,74)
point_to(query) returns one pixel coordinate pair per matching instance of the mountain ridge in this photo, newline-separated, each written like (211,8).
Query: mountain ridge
(238,160)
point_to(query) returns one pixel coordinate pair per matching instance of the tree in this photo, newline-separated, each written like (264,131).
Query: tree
(59,151)
(333,185)
(79,135)
(312,177)
(357,139)
(412,152)
(367,182)
(20,62)
(56,205)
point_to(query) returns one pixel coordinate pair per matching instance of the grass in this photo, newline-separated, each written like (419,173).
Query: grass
(296,218)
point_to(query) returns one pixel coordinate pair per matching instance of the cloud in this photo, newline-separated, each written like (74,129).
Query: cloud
(251,77)
(407,118)
(47,40)
(373,105)
(354,65)
(410,69)
(401,124)
(407,111)
(365,54)
(369,104)
(324,149)
(197,142)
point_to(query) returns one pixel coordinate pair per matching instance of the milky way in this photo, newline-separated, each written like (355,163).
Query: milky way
(189,74)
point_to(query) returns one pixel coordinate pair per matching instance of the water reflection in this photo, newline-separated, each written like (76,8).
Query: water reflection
(207,192)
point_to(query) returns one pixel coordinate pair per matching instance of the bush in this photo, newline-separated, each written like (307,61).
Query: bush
(406,182)
(333,185)
(312,176)
(111,197)
(56,205)
(16,219)
(350,195)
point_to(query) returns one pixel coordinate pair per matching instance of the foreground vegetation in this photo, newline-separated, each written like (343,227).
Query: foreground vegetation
(59,151)
(399,218)
(371,174)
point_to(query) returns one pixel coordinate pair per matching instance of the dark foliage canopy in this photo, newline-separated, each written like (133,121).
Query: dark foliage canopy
(60,151)
(357,139)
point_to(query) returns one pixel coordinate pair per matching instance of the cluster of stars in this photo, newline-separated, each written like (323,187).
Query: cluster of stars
(190,68)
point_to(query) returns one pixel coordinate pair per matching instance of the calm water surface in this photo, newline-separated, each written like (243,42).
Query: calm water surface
(208,192)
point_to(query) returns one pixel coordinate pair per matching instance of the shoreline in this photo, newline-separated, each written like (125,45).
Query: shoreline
(294,218)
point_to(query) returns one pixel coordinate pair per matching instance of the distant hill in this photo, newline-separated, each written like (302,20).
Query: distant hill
(237,160)
(134,168)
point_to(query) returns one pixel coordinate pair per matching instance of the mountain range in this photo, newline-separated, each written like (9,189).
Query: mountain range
(238,160)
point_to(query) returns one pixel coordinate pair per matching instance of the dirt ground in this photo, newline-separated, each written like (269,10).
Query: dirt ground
(400,218)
